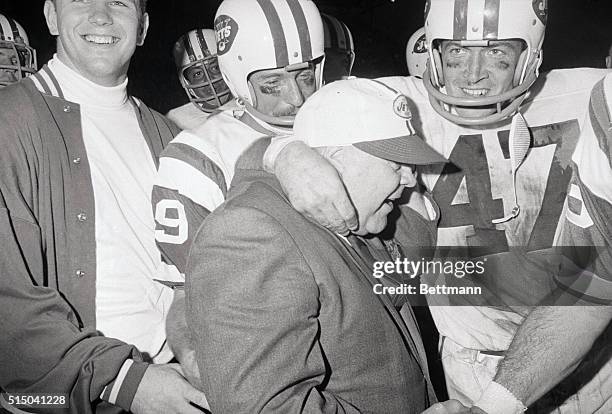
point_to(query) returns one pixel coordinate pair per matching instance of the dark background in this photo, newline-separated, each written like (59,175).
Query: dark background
(579,34)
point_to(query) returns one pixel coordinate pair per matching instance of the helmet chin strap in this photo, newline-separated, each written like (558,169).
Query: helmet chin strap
(282,121)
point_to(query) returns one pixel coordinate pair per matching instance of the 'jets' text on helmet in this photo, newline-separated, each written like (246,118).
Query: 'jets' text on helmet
(195,55)
(254,35)
(476,23)
(17,58)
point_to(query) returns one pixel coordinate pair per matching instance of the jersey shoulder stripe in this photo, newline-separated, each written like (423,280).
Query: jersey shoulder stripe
(197,160)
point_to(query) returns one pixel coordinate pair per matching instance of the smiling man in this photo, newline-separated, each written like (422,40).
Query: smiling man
(78,258)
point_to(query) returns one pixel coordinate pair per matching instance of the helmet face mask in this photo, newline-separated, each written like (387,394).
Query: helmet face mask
(198,70)
(478,24)
(17,58)
(267,34)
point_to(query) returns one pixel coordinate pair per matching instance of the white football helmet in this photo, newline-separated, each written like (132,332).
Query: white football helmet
(267,34)
(18,58)
(475,23)
(195,55)
(416,53)
(338,42)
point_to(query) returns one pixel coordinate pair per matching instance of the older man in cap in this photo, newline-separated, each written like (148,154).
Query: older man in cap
(283,312)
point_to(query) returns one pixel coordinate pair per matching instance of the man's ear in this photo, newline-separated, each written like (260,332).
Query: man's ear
(142,29)
(51,17)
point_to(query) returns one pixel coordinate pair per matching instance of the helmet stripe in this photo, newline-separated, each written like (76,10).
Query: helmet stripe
(188,46)
(202,43)
(460,20)
(4,27)
(14,28)
(276,30)
(302,28)
(491,19)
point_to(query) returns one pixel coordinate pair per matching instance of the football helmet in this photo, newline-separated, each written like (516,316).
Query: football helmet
(475,23)
(195,55)
(17,58)
(416,53)
(338,43)
(267,34)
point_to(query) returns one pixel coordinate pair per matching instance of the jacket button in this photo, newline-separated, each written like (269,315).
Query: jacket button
(79,273)
(67,108)
(82,216)
(77,160)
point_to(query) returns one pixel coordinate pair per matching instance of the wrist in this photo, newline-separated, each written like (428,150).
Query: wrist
(122,389)
(277,146)
(497,399)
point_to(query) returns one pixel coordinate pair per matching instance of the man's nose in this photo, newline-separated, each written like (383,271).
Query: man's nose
(293,93)
(407,176)
(475,71)
(99,14)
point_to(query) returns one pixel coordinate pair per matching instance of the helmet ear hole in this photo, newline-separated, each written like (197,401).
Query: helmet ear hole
(437,63)
(520,67)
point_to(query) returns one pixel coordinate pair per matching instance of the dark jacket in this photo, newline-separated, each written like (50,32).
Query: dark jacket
(284,318)
(48,338)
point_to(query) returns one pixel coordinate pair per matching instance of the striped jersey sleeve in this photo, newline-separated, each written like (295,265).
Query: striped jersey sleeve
(191,182)
(587,229)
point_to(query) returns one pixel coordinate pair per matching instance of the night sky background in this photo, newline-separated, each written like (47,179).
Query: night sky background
(579,34)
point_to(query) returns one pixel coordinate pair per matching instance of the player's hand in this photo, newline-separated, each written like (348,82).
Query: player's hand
(164,389)
(314,188)
(447,407)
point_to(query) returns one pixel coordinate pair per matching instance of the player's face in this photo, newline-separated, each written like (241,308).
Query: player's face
(282,93)
(8,58)
(97,38)
(478,71)
(337,65)
(196,75)
(373,184)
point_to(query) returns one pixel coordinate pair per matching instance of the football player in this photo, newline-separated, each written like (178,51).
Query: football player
(270,77)
(17,58)
(195,56)
(339,49)
(416,53)
(509,135)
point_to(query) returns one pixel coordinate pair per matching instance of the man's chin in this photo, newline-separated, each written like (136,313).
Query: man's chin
(476,112)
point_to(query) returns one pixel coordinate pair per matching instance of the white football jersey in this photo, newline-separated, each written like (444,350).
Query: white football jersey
(476,187)
(195,171)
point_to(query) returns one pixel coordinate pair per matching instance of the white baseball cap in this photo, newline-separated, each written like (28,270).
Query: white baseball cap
(367,114)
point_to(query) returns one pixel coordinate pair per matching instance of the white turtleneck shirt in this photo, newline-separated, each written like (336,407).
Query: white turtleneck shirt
(130,305)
